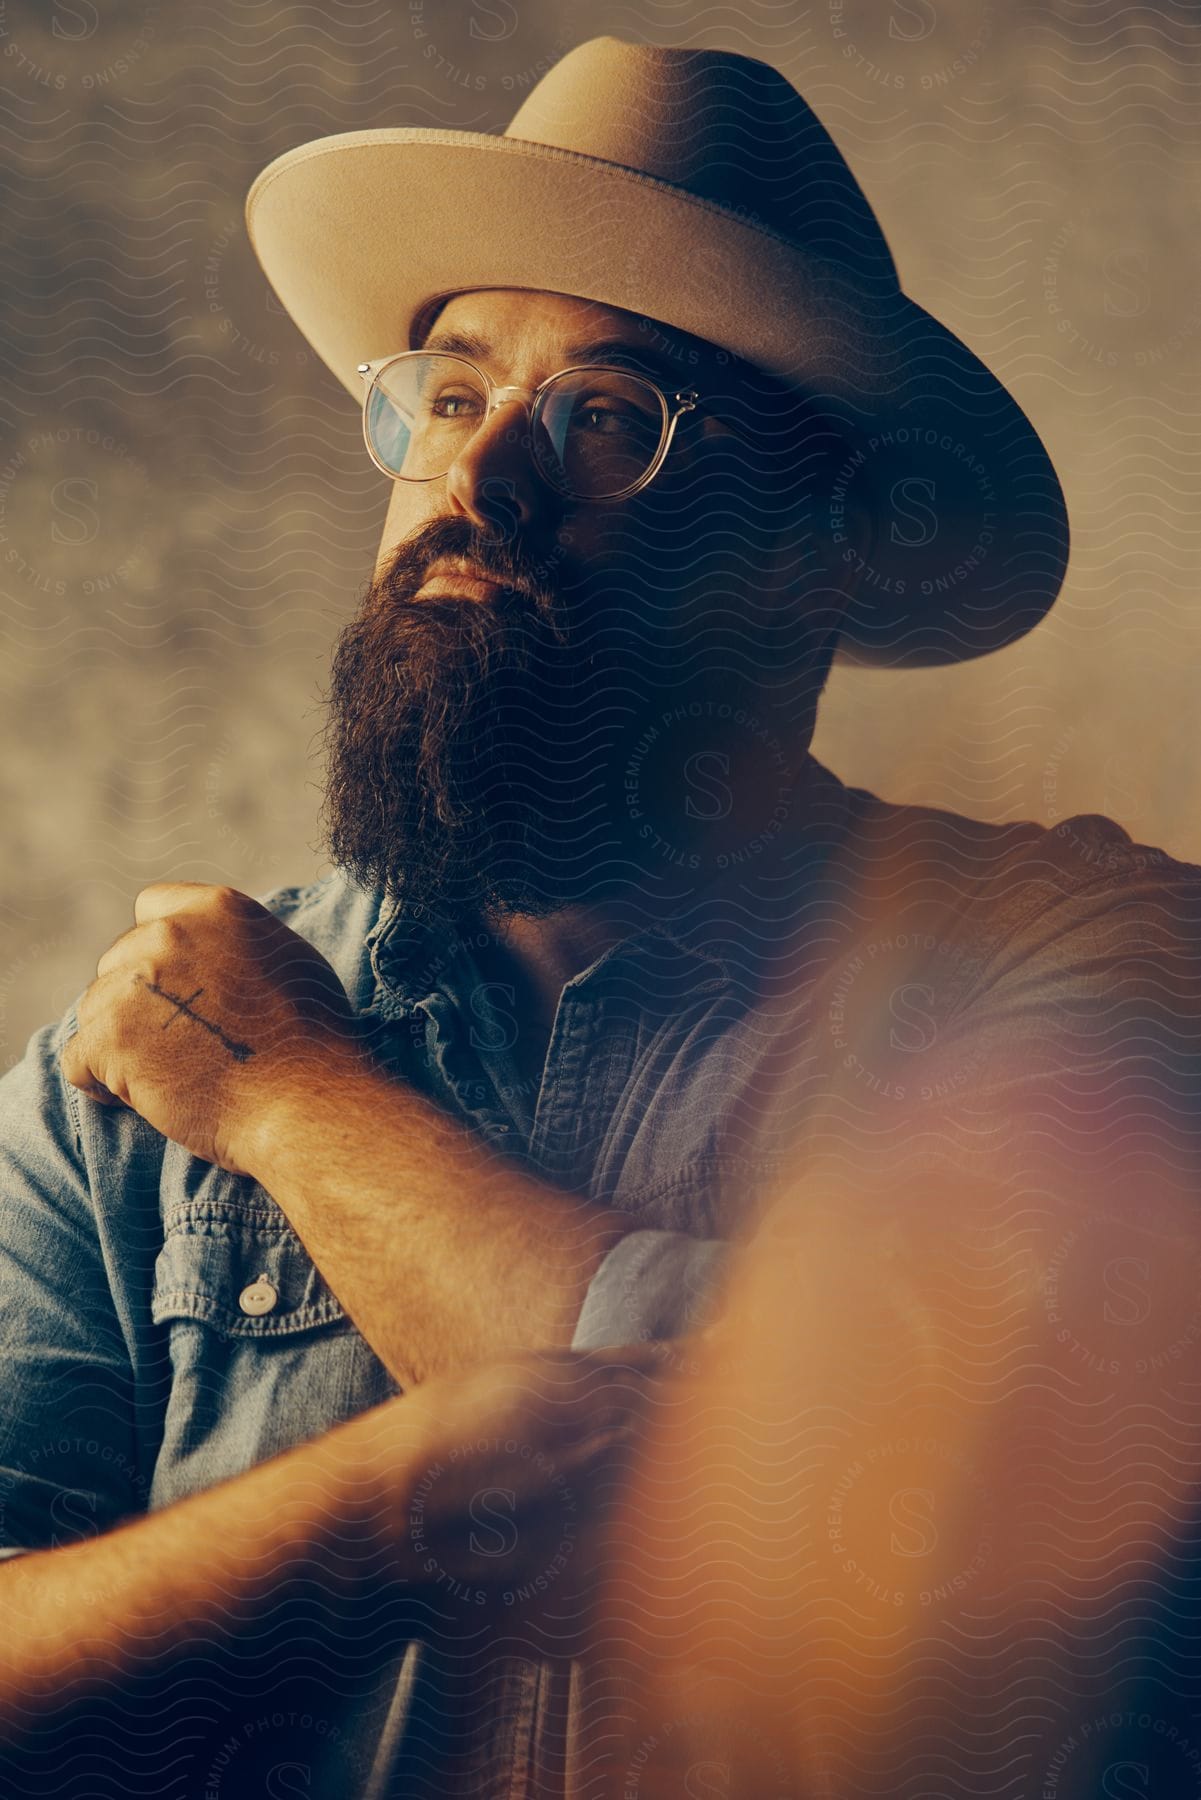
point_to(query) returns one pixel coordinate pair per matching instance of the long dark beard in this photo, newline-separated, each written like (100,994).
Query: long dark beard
(533,752)
(456,777)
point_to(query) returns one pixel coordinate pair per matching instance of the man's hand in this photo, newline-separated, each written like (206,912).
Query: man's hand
(494,1492)
(204,1012)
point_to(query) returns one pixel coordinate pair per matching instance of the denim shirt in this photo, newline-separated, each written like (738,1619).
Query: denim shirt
(680,1068)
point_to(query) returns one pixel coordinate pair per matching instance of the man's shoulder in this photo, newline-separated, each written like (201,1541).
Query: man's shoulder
(1002,881)
(987,857)
(329,902)
(1048,972)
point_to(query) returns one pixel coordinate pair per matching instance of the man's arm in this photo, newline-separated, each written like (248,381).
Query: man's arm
(310,1561)
(442,1253)
(96,1618)
(231,1034)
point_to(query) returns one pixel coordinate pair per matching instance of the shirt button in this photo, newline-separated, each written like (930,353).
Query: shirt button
(259,1297)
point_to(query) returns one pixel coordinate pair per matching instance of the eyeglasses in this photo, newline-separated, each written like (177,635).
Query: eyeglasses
(594,433)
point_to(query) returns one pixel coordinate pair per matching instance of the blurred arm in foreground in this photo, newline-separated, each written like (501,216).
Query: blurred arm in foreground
(924,1521)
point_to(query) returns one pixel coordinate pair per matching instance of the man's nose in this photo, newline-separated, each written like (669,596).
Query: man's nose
(493,480)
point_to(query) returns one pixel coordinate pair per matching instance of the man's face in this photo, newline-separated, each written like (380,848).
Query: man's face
(516,647)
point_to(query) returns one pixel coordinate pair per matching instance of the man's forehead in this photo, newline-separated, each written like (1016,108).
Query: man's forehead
(528,313)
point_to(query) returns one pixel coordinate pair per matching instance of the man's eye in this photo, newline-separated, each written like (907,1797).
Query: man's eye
(604,417)
(455,406)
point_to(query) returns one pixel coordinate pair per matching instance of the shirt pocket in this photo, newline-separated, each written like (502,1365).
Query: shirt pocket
(259,1354)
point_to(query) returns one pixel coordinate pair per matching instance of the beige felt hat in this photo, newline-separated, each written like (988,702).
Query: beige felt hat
(698,188)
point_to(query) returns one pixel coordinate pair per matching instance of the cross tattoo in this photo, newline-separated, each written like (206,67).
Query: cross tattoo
(184,1008)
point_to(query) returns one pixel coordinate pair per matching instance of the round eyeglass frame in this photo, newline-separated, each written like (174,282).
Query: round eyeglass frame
(685,401)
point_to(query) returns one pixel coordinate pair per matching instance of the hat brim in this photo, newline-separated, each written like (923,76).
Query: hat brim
(356,232)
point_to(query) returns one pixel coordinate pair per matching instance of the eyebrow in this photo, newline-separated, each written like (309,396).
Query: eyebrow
(665,369)
(608,350)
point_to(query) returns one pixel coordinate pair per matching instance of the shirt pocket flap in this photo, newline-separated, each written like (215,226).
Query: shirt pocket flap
(233,1262)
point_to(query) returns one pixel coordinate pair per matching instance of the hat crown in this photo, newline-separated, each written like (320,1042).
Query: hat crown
(724,127)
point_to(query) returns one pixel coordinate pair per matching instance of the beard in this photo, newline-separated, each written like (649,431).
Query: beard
(452,782)
(479,755)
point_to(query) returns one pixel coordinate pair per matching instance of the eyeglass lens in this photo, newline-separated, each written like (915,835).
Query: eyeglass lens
(596,431)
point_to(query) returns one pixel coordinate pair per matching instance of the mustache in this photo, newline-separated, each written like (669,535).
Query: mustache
(529,582)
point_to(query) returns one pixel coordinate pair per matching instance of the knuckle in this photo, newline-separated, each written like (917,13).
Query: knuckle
(165,935)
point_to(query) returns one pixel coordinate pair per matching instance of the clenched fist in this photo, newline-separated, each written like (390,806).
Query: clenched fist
(204,1013)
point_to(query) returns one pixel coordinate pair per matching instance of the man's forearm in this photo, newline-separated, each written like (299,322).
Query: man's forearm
(442,1253)
(307,1570)
(144,1608)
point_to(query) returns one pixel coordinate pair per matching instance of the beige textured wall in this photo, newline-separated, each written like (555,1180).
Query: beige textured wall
(187,515)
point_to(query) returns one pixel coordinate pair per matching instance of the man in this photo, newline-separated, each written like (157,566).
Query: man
(606,958)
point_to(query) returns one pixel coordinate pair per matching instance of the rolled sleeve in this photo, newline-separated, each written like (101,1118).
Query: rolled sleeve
(652,1286)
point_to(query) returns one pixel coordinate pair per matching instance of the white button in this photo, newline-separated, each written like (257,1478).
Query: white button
(259,1297)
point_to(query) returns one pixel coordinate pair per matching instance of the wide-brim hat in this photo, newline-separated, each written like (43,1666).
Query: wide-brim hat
(698,188)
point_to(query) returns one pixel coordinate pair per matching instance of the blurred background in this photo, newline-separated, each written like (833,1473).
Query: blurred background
(187,513)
